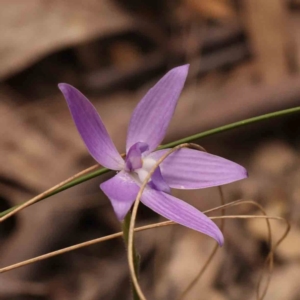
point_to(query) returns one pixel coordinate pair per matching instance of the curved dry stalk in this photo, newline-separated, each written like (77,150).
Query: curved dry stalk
(151,226)
(202,270)
(81,245)
(239,202)
(134,214)
(142,228)
(61,251)
(216,247)
(46,193)
(167,223)
(211,256)
(270,256)
(51,190)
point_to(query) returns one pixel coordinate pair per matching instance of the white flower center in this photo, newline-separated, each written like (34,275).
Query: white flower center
(148,164)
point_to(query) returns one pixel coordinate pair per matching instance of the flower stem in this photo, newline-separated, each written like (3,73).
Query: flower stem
(136,257)
(188,139)
(231,126)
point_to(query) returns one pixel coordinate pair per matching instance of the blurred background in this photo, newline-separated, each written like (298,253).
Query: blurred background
(245,61)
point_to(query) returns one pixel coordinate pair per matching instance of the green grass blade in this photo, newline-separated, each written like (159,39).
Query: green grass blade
(173,144)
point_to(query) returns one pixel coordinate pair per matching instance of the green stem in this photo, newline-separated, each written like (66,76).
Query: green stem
(136,257)
(171,145)
(231,126)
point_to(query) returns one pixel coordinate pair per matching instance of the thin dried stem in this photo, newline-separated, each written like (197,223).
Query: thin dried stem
(216,247)
(46,193)
(192,284)
(270,257)
(61,251)
(131,229)
(134,214)
(51,191)
(166,223)
(188,139)
(214,250)
(147,227)
(82,245)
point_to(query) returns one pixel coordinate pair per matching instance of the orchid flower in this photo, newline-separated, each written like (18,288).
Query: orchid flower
(183,169)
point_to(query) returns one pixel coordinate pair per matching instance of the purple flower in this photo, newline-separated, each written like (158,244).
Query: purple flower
(183,169)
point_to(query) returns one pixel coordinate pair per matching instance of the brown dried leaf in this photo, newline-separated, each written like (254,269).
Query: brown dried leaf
(31,29)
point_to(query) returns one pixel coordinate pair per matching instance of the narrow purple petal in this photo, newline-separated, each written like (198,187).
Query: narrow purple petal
(182,213)
(134,156)
(192,169)
(152,115)
(158,182)
(121,191)
(91,128)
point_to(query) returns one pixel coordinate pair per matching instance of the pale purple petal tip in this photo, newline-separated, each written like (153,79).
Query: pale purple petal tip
(193,169)
(91,128)
(152,115)
(182,213)
(121,191)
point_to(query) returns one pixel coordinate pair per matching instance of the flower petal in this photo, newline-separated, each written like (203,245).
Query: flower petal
(91,128)
(193,169)
(158,183)
(181,212)
(152,115)
(121,191)
(134,156)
